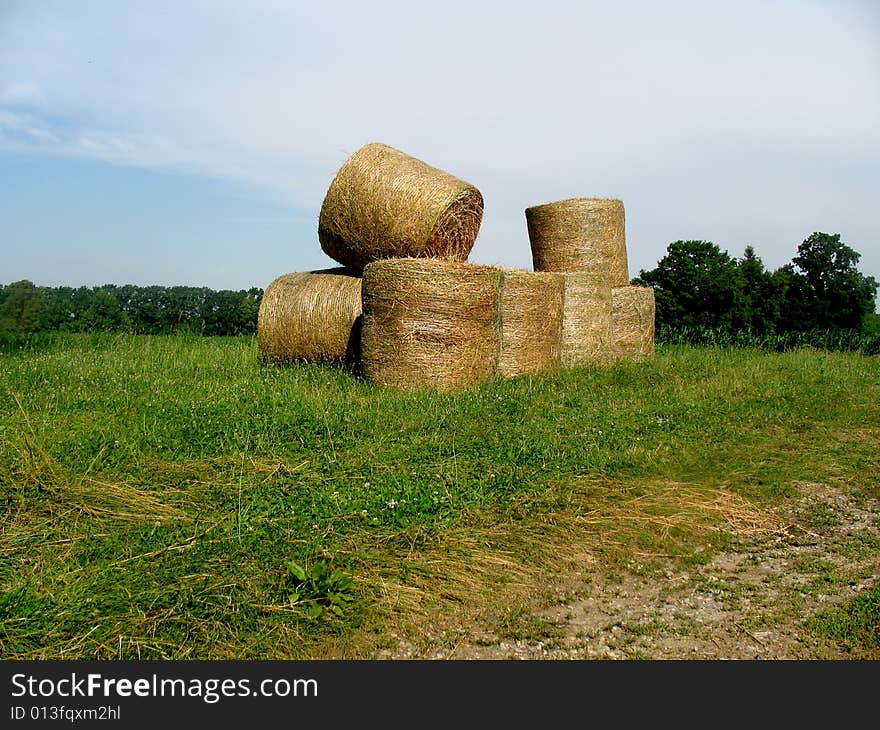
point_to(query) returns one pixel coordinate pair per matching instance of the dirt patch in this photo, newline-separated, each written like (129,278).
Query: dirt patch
(749,601)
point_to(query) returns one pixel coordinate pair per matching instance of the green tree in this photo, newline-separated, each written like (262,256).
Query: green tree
(763,294)
(149,309)
(58,312)
(104,314)
(184,307)
(80,302)
(696,284)
(22,306)
(825,288)
(249,308)
(227,312)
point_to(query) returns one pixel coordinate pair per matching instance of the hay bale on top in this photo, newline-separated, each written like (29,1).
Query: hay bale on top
(312,316)
(586,320)
(429,323)
(584,235)
(385,204)
(531,322)
(632,315)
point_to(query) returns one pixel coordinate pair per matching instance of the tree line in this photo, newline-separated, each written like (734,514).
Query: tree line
(152,310)
(702,294)
(701,289)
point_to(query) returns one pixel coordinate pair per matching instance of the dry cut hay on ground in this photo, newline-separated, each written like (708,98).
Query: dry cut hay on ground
(586,320)
(312,316)
(385,204)
(531,322)
(584,235)
(430,324)
(632,322)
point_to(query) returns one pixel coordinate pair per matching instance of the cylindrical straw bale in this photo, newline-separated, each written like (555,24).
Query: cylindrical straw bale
(312,316)
(632,322)
(531,322)
(385,204)
(583,235)
(430,324)
(586,320)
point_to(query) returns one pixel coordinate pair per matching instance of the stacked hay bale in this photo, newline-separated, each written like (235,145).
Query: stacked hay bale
(419,316)
(580,235)
(587,333)
(312,316)
(603,316)
(531,312)
(430,320)
(429,323)
(632,311)
(409,311)
(385,204)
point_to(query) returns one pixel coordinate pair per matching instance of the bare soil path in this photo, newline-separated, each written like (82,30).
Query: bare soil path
(751,601)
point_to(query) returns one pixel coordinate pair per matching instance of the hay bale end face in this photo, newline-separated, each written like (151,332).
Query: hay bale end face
(385,204)
(633,311)
(430,324)
(531,322)
(585,235)
(586,320)
(312,316)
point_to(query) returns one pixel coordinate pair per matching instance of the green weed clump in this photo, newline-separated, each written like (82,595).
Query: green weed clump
(856,625)
(318,588)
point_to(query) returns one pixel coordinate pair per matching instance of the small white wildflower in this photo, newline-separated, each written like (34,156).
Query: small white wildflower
(392,503)
(363,513)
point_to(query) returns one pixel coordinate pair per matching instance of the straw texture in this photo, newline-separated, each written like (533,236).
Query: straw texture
(632,317)
(583,235)
(385,204)
(312,316)
(430,324)
(531,322)
(586,320)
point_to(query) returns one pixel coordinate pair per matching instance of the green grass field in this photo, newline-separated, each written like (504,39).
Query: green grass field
(174,497)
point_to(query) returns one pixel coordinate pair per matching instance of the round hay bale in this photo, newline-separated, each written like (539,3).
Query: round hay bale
(312,316)
(585,235)
(429,324)
(531,322)
(632,317)
(385,204)
(586,320)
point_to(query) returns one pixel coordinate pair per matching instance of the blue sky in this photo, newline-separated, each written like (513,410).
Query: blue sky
(193,142)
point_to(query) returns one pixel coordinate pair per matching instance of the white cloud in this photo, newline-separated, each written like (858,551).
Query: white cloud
(25,128)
